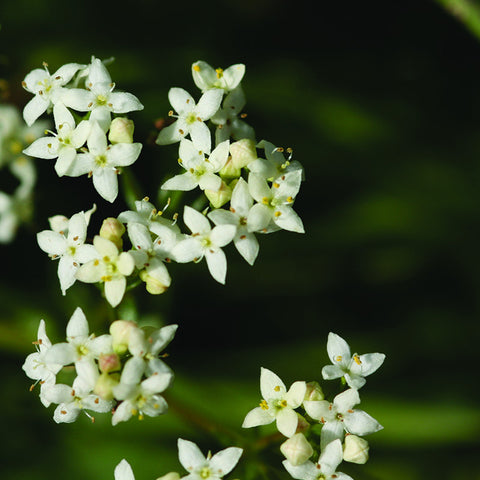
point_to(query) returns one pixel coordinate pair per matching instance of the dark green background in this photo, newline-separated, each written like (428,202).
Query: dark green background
(379,102)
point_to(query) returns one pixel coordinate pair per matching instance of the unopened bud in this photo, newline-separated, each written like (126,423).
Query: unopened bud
(121,130)
(170,476)
(153,285)
(105,384)
(109,362)
(230,170)
(296,449)
(219,197)
(243,152)
(302,425)
(355,449)
(113,230)
(314,392)
(120,330)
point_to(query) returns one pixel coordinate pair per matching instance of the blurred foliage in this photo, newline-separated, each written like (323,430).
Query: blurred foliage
(379,104)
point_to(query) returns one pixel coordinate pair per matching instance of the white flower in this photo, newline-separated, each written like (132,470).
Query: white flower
(191,118)
(72,400)
(277,404)
(324,469)
(48,89)
(205,241)
(80,344)
(99,97)
(240,205)
(200,171)
(123,471)
(101,162)
(201,468)
(68,247)
(37,368)
(140,397)
(205,77)
(339,416)
(275,203)
(111,267)
(353,367)
(64,144)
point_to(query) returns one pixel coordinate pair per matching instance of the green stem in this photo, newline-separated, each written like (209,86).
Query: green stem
(465,11)
(132,190)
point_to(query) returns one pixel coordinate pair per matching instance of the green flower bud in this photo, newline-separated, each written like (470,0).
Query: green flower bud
(355,449)
(153,285)
(105,384)
(120,330)
(230,170)
(121,130)
(243,152)
(220,197)
(314,392)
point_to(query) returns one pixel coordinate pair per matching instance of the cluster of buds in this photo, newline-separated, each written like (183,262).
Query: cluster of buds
(341,426)
(120,372)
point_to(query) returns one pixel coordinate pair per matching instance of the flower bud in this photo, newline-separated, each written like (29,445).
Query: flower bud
(105,384)
(220,197)
(314,392)
(355,449)
(120,330)
(296,449)
(302,424)
(243,152)
(109,362)
(113,230)
(153,285)
(121,130)
(170,476)
(230,170)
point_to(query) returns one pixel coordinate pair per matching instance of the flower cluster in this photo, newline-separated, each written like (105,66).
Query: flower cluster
(338,421)
(120,372)
(16,207)
(97,144)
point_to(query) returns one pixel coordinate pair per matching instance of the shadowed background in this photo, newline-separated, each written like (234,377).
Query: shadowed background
(378,103)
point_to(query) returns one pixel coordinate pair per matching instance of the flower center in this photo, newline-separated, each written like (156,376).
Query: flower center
(101,100)
(101,160)
(191,118)
(205,472)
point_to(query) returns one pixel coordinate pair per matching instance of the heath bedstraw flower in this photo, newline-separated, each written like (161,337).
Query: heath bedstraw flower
(240,205)
(324,469)
(64,144)
(277,404)
(99,97)
(101,162)
(352,367)
(274,203)
(206,77)
(147,215)
(110,267)
(339,416)
(80,344)
(123,471)
(48,89)
(37,368)
(72,400)
(200,170)
(212,467)
(140,397)
(191,117)
(68,246)
(205,241)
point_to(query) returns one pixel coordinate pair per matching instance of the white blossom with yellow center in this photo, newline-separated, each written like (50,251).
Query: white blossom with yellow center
(207,77)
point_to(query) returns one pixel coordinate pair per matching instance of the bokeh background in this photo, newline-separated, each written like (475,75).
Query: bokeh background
(379,102)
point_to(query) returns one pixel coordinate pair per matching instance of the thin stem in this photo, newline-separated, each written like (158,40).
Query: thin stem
(465,11)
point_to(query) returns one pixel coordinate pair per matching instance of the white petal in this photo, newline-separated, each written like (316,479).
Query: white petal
(338,350)
(184,182)
(180,100)
(106,183)
(271,386)
(123,154)
(259,217)
(224,461)
(196,221)
(66,273)
(296,394)
(287,421)
(331,431)
(51,242)
(361,423)
(209,103)
(286,218)
(45,147)
(256,417)
(189,454)
(201,136)
(34,108)
(123,102)
(222,235)
(114,290)
(77,326)
(123,471)
(217,264)
(346,400)
(248,247)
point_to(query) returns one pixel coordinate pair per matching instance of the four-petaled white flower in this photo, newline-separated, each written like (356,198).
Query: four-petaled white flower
(191,118)
(277,404)
(69,247)
(123,471)
(339,416)
(110,267)
(206,77)
(240,205)
(37,368)
(48,89)
(212,467)
(101,162)
(200,170)
(99,97)
(324,469)
(353,367)
(205,241)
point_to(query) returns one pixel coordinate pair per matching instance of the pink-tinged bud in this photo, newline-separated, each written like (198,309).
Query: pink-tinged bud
(355,449)
(302,425)
(170,476)
(109,362)
(296,449)
(314,392)
(219,197)
(120,330)
(105,384)
(113,230)
(243,152)
(121,130)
